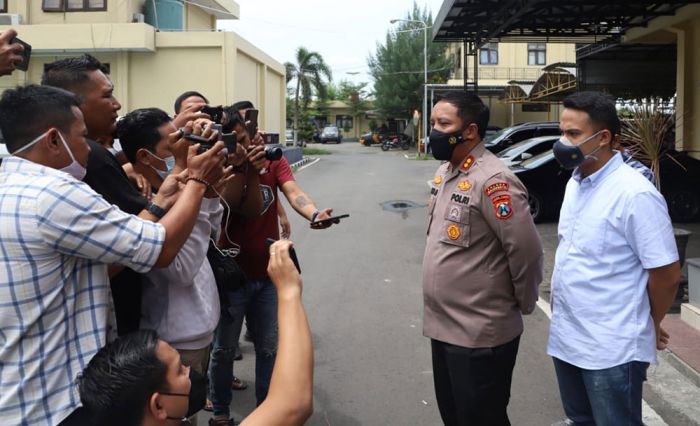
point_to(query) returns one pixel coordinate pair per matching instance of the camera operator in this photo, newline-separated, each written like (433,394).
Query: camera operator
(87,77)
(257,299)
(149,386)
(61,236)
(181,301)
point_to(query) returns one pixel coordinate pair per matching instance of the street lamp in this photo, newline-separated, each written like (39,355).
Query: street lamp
(425,77)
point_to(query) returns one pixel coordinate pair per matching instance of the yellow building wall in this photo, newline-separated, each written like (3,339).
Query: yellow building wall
(274,85)
(512,63)
(197,19)
(247,78)
(685,25)
(157,79)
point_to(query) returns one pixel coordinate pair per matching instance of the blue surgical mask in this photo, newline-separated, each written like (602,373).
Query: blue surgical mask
(169,165)
(74,169)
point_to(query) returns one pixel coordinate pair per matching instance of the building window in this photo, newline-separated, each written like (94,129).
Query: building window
(3,6)
(74,5)
(488,54)
(343,122)
(536,53)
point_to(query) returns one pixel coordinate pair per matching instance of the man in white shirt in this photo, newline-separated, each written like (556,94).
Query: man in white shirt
(615,275)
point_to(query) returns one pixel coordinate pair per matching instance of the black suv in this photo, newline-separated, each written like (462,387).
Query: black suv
(512,135)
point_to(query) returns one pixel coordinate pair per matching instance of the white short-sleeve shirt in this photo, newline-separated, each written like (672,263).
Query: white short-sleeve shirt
(614,226)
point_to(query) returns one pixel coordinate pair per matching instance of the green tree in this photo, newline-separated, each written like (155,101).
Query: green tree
(397,66)
(355,96)
(310,74)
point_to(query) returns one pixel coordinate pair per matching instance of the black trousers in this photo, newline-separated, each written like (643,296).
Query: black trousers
(472,385)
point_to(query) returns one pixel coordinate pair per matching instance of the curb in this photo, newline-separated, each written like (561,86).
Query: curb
(681,366)
(303,163)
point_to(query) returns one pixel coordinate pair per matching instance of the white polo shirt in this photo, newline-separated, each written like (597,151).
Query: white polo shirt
(614,226)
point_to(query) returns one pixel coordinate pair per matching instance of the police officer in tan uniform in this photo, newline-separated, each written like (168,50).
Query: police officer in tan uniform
(482,267)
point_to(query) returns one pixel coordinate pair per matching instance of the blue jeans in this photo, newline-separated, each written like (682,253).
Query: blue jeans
(608,397)
(257,301)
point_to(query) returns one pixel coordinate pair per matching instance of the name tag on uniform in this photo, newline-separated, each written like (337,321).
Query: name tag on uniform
(460,199)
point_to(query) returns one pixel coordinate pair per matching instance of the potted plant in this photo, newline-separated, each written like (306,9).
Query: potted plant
(645,134)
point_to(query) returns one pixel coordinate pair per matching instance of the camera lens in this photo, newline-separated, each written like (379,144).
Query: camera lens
(273,153)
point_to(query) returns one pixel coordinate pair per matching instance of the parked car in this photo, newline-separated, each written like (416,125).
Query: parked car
(546,180)
(504,138)
(526,149)
(331,134)
(490,131)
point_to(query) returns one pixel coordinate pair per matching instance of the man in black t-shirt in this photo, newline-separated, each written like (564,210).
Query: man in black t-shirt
(87,77)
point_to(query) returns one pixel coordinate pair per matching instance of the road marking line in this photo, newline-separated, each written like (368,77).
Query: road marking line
(649,415)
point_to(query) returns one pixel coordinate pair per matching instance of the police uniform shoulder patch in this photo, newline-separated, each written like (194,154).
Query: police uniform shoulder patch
(496,187)
(502,206)
(468,163)
(464,185)
(453,232)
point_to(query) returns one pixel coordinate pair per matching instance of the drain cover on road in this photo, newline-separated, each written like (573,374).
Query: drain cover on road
(399,206)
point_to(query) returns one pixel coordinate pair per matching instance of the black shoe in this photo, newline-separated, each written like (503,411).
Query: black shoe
(221,422)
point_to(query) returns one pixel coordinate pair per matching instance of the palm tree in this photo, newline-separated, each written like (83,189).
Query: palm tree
(309,72)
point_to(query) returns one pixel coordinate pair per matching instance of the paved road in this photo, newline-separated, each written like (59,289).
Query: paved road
(364,299)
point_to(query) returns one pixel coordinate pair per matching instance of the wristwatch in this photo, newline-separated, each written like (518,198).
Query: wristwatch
(155,210)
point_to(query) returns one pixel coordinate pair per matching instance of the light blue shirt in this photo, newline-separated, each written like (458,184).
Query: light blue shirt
(614,226)
(57,237)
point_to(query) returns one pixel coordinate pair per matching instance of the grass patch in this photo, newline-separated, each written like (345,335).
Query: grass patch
(423,157)
(316,151)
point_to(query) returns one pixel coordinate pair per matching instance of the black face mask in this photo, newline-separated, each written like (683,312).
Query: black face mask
(571,156)
(197,396)
(443,145)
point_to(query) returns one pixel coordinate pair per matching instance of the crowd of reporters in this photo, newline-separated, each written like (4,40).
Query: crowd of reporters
(133,248)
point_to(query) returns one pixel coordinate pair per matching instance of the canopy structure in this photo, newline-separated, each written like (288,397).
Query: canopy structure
(582,21)
(475,22)
(517,91)
(557,81)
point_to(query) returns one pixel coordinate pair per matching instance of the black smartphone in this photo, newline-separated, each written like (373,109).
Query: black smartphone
(230,141)
(330,220)
(251,120)
(292,253)
(26,54)
(215,113)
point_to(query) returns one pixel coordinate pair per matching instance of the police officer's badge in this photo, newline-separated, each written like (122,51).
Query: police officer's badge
(453,232)
(455,213)
(452,140)
(464,185)
(437,180)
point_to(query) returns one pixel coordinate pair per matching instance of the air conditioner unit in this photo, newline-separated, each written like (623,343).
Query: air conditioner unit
(138,17)
(10,19)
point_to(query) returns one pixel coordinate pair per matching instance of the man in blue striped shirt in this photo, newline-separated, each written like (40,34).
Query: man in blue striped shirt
(57,238)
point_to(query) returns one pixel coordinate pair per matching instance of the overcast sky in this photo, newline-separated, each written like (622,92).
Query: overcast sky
(343,32)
